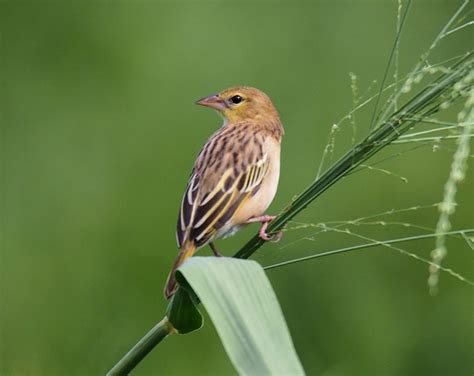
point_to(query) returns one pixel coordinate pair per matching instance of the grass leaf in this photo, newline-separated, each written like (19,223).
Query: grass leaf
(244,309)
(183,313)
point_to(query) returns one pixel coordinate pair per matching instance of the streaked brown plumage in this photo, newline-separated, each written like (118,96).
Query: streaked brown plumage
(235,176)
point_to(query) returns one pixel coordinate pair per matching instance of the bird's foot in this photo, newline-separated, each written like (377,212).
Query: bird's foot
(262,233)
(215,250)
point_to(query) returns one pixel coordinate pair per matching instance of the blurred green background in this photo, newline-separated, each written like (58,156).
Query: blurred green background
(98,136)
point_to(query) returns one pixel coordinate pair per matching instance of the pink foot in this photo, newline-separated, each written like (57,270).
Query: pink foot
(265,220)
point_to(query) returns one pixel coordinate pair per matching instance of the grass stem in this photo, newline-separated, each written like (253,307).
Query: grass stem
(130,360)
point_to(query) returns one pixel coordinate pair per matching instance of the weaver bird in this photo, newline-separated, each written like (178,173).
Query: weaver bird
(235,175)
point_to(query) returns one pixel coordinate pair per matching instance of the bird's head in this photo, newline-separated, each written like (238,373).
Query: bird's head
(241,103)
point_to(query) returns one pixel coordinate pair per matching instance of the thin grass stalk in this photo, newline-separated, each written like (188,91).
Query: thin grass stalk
(365,246)
(417,72)
(130,360)
(425,103)
(393,52)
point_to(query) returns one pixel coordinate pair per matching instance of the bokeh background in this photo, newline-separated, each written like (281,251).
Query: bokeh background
(98,136)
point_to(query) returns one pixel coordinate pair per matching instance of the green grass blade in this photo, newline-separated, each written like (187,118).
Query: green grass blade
(183,313)
(244,309)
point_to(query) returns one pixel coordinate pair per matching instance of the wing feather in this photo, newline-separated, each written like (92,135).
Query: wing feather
(216,190)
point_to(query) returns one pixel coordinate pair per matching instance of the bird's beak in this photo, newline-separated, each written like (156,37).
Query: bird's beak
(213,101)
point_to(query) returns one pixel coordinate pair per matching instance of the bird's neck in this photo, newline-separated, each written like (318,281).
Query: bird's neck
(271,125)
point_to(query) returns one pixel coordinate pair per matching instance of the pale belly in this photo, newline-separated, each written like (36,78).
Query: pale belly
(260,202)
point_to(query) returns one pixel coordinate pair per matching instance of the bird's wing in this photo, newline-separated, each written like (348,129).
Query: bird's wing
(228,171)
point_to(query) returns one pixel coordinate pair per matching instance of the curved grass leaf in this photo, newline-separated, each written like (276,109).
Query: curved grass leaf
(183,313)
(244,309)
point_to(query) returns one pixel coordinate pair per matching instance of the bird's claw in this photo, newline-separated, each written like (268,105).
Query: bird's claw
(274,238)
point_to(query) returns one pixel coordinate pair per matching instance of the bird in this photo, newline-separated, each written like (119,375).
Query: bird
(235,175)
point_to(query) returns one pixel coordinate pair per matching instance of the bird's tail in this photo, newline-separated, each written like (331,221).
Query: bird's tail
(186,251)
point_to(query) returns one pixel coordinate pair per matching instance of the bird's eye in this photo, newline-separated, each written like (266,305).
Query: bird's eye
(236,99)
